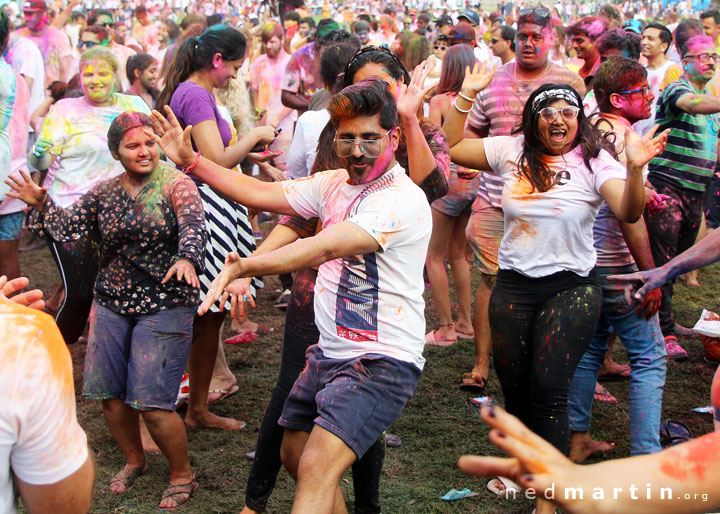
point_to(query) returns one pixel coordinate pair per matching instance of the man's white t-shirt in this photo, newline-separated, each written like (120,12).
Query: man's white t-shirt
(370,303)
(551,231)
(39,434)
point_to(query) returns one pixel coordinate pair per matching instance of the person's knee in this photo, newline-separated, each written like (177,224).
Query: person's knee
(155,416)
(290,453)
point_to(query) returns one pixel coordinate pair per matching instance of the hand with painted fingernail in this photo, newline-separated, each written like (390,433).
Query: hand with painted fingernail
(239,291)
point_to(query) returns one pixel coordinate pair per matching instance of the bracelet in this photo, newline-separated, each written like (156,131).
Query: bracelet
(471,100)
(193,165)
(464,111)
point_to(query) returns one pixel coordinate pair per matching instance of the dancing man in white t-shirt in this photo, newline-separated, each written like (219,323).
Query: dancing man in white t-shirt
(376,226)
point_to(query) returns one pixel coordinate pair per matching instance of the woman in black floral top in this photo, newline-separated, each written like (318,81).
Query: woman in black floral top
(152,231)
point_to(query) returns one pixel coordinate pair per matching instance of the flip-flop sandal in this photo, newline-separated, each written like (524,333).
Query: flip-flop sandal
(621,374)
(224,393)
(495,486)
(184,490)
(673,433)
(432,340)
(127,478)
(463,335)
(604,396)
(242,338)
(470,382)
(392,440)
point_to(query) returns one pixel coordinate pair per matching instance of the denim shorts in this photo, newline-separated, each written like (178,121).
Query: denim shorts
(140,358)
(11,226)
(355,399)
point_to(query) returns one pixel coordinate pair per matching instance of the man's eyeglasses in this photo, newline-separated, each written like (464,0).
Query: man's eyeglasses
(368,147)
(646,91)
(86,44)
(569,112)
(703,58)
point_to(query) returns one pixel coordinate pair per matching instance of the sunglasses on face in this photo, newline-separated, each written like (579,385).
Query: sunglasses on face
(646,91)
(439,47)
(86,44)
(371,148)
(569,112)
(703,58)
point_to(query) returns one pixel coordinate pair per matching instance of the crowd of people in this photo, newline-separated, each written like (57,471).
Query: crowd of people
(560,153)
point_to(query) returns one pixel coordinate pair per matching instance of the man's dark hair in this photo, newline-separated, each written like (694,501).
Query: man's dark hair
(96,13)
(508,34)
(665,34)
(309,21)
(173,29)
(76,15)
(536,16)
(687,29)
(338,36)
(140,9)
(424,17)
(627,43)
(615,75)
(292,15)
(712,13)
(214,19)
(366,98)
(332,65)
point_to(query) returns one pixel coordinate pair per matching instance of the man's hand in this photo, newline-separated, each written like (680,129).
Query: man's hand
(640,283)
(650,305)
(32,299)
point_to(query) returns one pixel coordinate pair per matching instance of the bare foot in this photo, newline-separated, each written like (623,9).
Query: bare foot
(243,325)
(210,420)
(584,447)
(148,443)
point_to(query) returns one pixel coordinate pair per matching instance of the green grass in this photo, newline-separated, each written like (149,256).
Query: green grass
(437,426)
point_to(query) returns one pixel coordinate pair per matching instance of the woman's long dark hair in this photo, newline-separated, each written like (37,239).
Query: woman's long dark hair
(532,165)
(454,62)
(377,55)
(197,52)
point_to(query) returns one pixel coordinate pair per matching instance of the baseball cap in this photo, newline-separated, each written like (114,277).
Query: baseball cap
(34,5)
(462,31)
(471,16)
(443,20)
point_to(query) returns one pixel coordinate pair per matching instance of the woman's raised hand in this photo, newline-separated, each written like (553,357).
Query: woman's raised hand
(410,96)
(23,188)
(641,150)
(476,79)
(174,141)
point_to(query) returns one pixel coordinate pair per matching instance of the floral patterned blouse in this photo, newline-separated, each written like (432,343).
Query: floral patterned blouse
(141,238)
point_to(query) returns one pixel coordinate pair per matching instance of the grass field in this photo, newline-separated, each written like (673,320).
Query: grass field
(438,425)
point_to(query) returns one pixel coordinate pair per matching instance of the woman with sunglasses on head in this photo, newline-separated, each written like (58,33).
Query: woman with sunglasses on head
(72,147)
(450,215)
(545,305)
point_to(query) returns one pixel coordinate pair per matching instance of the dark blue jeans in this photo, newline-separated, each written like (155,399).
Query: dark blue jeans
(301,333)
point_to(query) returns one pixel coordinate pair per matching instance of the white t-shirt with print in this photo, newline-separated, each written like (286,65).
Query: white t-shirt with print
(370,303)
(552,231)
(40,438)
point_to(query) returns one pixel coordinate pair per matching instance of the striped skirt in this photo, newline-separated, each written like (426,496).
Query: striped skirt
(229,230)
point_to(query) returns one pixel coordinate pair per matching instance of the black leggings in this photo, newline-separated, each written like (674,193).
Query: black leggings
(78,264)
(541,328)
(300,333)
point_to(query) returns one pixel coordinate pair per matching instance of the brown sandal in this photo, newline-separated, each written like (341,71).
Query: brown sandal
(127,478)
(185,492)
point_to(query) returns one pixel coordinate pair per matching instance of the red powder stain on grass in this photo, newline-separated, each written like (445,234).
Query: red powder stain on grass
(691,459)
